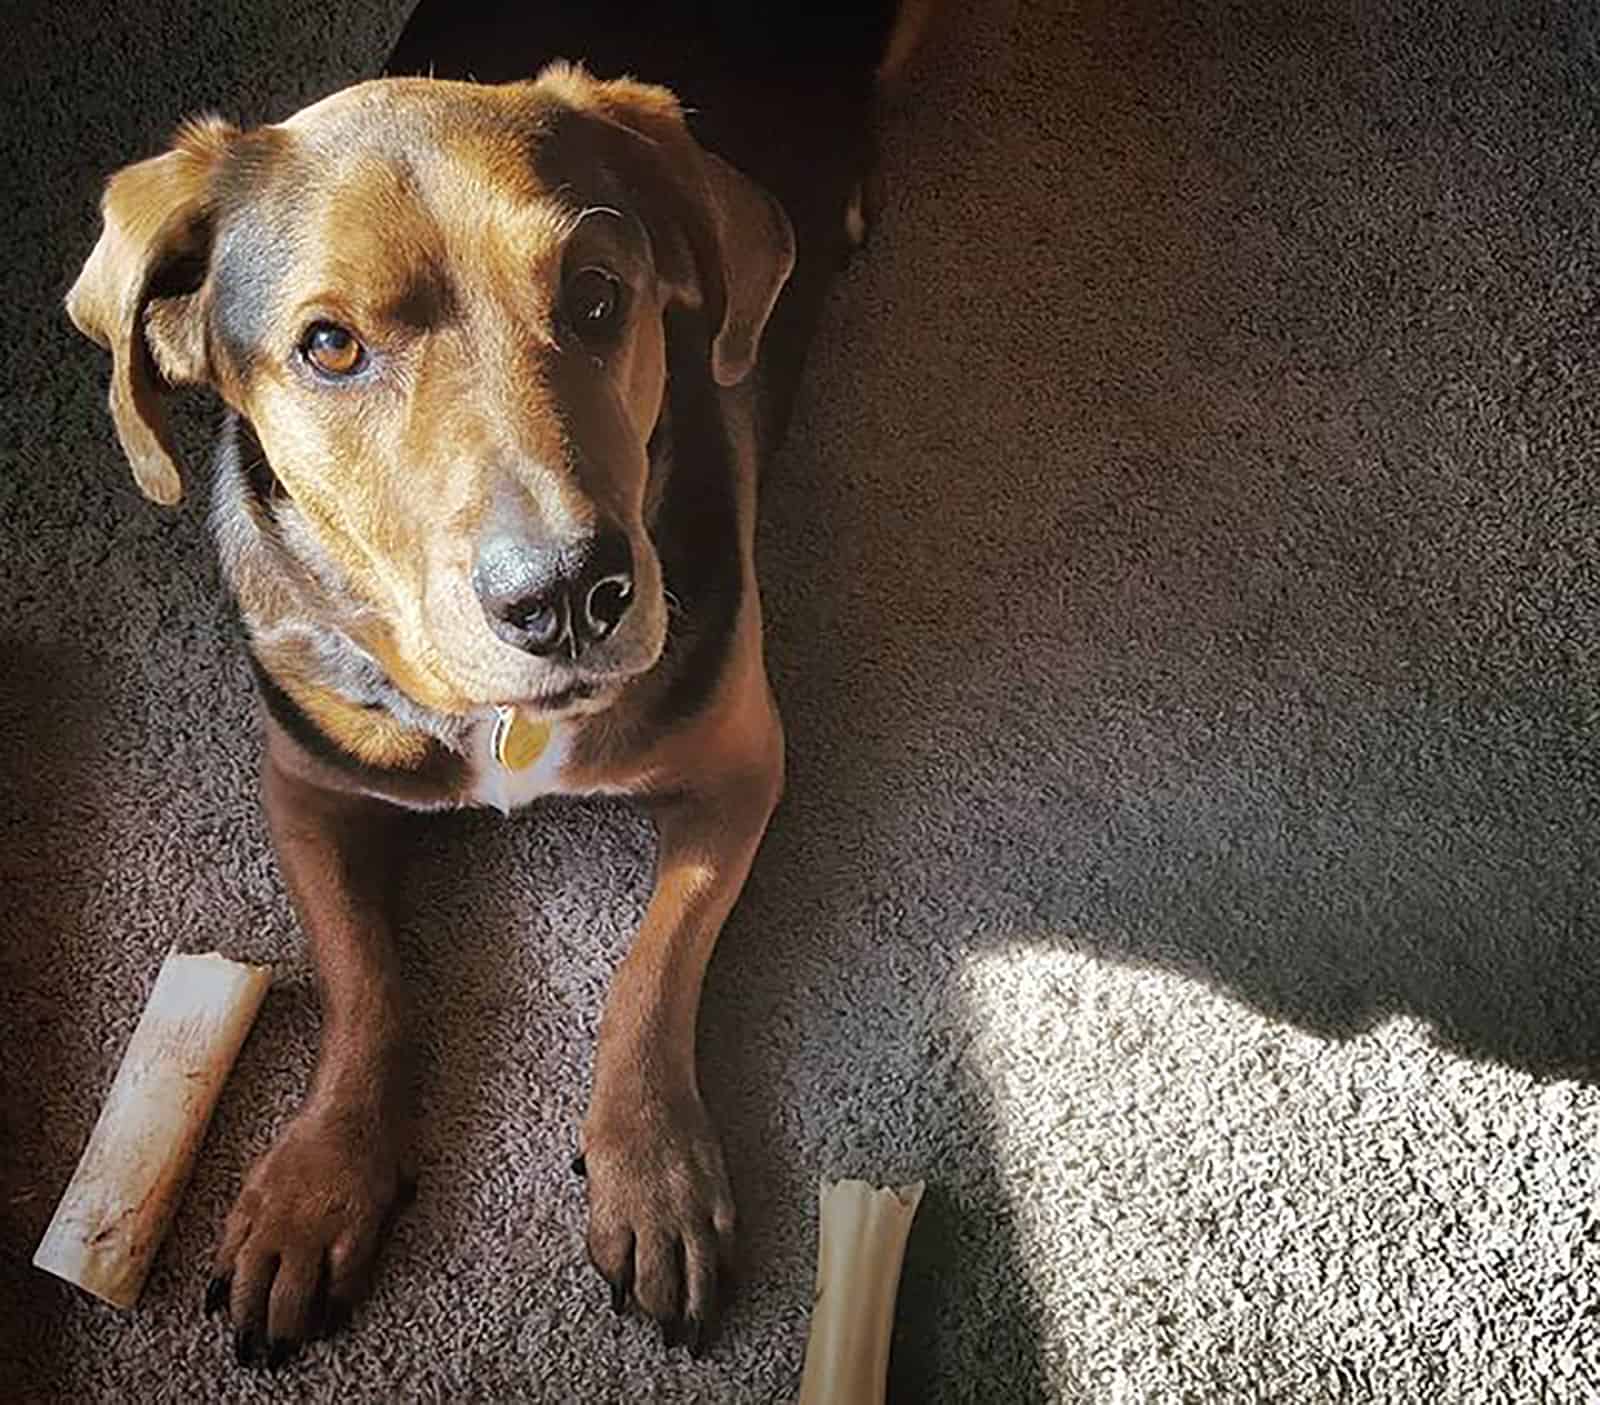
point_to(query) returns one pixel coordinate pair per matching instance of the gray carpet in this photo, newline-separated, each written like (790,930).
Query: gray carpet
(1182,592)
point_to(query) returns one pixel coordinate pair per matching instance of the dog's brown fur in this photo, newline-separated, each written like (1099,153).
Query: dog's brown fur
(440,221)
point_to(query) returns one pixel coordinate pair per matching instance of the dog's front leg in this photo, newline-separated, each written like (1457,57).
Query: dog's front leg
(661,1217)
(299,1244)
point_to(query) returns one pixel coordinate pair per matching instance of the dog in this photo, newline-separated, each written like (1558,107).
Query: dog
(501,338)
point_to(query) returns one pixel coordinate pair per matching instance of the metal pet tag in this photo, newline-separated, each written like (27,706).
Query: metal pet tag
(518,743)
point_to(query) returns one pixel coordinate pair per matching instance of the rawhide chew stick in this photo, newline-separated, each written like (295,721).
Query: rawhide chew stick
(860,1248)
(115,1212)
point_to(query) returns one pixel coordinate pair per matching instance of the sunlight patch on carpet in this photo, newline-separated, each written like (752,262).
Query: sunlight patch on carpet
(1212,1205)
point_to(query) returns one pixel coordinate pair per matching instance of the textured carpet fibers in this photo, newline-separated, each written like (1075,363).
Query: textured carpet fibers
(1181,585)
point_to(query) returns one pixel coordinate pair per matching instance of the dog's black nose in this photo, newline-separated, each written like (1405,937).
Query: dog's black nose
(554,598)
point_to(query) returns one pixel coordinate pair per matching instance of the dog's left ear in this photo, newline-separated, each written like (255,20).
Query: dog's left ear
(720,241)
(138,293)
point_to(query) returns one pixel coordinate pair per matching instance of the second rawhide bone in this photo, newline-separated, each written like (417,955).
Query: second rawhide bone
(860,1248)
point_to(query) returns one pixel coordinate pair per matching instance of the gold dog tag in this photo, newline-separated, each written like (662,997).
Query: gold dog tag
(518,743)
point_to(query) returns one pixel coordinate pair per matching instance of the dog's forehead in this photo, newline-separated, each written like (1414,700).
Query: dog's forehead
(420,107)
(444,136)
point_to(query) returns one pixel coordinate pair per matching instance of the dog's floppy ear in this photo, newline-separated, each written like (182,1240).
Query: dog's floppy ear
(721,241)
(139,293)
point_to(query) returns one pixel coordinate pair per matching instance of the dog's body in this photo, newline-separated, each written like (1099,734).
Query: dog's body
(486,501)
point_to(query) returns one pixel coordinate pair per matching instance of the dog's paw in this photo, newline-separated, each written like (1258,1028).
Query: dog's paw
(299,1244)
(661,1217)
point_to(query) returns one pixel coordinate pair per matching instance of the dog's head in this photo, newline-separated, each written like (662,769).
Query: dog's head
(441,308)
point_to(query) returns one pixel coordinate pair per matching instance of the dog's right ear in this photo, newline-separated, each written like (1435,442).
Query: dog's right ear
(141,293)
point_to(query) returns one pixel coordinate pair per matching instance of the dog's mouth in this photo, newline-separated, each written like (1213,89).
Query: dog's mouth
(577,698)
(559,700)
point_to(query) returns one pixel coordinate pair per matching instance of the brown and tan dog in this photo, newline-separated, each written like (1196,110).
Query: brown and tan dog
(486,502)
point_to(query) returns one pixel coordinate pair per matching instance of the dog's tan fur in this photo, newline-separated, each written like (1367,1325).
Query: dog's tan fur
(439,223)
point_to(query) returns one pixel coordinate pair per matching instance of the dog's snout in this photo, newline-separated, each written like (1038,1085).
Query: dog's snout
(549,598)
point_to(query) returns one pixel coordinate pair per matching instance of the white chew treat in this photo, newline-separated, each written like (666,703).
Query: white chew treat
(114,1214)
(860,1249)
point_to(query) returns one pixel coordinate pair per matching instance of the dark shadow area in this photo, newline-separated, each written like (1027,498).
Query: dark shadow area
(47,873)
(1246,630)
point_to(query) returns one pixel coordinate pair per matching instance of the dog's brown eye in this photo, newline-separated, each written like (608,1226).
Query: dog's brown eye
(333,349)
(592,299)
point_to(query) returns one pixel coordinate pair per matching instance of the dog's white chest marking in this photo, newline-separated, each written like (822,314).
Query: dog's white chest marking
(516,759)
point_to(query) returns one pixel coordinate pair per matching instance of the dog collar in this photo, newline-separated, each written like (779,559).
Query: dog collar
(518,743)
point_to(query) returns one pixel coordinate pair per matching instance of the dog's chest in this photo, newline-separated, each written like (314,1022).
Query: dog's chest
(516,761)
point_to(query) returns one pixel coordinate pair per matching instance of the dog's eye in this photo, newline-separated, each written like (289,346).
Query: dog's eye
(592,301)
(332,349)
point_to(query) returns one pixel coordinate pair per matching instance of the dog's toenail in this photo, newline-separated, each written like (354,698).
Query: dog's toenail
(216,1294)
(694,1337)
